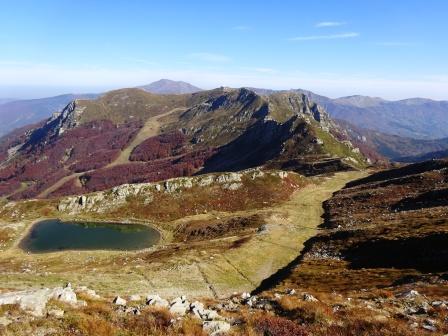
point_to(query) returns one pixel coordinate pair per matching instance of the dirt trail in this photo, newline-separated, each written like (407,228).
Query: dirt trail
(196,271)
(150,129)
(58,184)
(289,226)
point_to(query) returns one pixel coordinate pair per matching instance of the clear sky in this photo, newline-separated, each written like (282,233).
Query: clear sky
(388,48)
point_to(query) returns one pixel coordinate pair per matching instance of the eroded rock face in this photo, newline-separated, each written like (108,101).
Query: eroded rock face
(108,199)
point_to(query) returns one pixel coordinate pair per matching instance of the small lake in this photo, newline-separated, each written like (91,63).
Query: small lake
(54,235)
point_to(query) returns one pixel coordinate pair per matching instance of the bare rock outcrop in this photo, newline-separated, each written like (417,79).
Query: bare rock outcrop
(105,200)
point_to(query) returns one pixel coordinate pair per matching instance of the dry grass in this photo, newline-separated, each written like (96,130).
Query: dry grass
(265,324)
(305,312)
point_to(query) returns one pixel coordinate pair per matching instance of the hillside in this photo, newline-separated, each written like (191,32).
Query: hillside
(381,258)
(376,266)
(169,136)
(19,113)
(167,86)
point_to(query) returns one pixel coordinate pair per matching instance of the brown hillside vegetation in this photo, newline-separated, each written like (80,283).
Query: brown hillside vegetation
(383,235)
(132,136)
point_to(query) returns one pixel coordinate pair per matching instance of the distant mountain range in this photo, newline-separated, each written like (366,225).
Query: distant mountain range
(394,147)
(395,129)
(18,113)
(413,118)
(416,118)
(167,86)
(424,157)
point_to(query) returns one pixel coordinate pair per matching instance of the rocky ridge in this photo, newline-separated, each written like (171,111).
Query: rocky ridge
(209,131)
(104,200)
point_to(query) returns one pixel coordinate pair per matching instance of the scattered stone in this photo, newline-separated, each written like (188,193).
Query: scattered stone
(290,291)
(216,327)
(412,294)
(309,298)
(251,301)
(34,301)
(414,325)
(197,308)
(429,324)
(157,301)
(66,295)
(179,306)
(119,301)
(245,296)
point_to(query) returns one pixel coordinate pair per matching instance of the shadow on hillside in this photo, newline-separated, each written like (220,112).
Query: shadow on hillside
(425,254)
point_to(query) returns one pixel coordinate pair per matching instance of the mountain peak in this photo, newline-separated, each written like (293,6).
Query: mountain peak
(168,86)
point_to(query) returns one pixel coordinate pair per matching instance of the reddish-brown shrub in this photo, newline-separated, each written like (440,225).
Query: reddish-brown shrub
(159,147)
(278,326)
(86,147)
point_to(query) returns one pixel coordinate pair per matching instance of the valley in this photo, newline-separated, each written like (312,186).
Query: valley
(261,207)
(285,228)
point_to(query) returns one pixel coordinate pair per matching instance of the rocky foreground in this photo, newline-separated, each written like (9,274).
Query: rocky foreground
(79,310)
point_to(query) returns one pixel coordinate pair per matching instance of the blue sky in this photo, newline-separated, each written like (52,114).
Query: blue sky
(393,49)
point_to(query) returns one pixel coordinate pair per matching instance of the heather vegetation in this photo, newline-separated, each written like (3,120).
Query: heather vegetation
(160,147)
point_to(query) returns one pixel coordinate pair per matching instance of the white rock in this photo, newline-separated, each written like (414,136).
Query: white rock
(232,186)
(283,174)
(229,178)
(205,181)
(119,301)
(216,327)
(209,315)
(309,298)
(291,291)
(245,296)
(178,308)
(58,313)
(196,305)
(156,301)
(410,294)
(66,295)
(35,301)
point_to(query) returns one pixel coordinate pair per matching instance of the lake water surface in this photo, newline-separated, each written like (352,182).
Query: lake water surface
(55,235)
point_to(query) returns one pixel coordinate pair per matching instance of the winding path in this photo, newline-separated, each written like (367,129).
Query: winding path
(150,128)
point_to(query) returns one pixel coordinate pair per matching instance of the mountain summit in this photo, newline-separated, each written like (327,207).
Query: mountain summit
(167,86)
